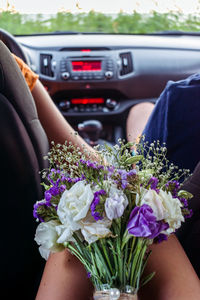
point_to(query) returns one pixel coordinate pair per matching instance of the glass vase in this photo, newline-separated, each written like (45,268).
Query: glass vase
(115,294)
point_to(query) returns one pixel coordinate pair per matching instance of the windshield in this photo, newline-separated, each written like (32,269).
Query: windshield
(21,17)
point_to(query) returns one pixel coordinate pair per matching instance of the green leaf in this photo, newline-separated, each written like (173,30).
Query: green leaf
(147,279)
(185,194)
(133,159)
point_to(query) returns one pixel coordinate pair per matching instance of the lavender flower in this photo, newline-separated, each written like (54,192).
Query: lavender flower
(89,274)
(161,237)
(183,201)
(91,164)
(47,196)
(96,215)
(187,213)
(62,188)
(115,204)
(124,176)
(153,182)
(35,210)
(173,186)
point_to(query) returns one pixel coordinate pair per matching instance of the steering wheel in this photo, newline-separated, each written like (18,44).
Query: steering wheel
(10,41)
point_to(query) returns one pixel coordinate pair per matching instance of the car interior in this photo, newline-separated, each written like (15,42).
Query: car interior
(94,80)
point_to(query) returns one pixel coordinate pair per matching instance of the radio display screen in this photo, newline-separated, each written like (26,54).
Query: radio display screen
(86,65)
(76,101)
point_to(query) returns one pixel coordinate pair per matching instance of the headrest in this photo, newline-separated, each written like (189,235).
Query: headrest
(13,86)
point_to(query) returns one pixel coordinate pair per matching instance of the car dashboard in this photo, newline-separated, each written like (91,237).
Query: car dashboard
(101,76)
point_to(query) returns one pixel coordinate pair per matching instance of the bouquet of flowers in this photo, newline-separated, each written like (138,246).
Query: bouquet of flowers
(107,213)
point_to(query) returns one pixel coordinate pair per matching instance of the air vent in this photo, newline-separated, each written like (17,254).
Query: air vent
(45,64)
(127,64)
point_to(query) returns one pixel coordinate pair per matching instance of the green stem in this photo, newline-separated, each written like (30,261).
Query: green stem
(134,262)
(117,230)
(114,256)
(106,255)
(131,251)
(98,252)
(82,248)
(93,262)
(139,266)
(125,264)
(119,258)
(77,254)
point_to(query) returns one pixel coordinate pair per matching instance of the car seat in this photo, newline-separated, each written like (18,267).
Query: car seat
(23,143)
(189,233)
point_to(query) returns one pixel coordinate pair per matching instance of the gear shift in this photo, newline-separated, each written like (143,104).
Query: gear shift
(90,131)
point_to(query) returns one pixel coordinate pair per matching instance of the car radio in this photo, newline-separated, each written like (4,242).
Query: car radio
(87,68)
(88,104)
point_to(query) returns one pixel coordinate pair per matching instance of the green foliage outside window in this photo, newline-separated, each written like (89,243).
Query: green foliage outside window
(17,23)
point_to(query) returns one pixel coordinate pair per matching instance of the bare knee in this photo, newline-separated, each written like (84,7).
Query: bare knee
(137,119)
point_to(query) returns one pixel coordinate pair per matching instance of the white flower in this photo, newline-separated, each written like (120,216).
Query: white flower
(164,207)
(116,203)
(151,198)
(65,233)
(46,236)
(92,231)
(173,207)
(74,204)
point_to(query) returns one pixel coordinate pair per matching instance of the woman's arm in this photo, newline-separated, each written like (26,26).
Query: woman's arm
(175,278)
(55,125)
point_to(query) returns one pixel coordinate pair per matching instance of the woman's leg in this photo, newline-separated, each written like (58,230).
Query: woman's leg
(64,278)
(137,119)
(175,278)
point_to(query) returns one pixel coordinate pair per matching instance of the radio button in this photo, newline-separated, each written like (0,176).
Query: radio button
(81,108)
(108,74)
(110,103)
(94,107)
(64,105)
(65,75)
(75,108)
(75,77)
(97,77)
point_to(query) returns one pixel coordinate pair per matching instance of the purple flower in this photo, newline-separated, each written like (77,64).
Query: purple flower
(173,186)
(183,201)
(82,161)
(110,170)
(62,188)
(88,274)
(35,212)
(188,214)
(52,174)
(54,190)
(96,215)
(47,196)
(74,180)
(161,237)
(142,222)
(153,182)
(124,176)
(91,164)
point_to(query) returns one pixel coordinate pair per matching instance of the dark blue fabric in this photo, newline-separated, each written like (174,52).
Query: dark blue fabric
(176,121)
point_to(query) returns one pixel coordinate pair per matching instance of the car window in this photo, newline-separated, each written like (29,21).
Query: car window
(122,16)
